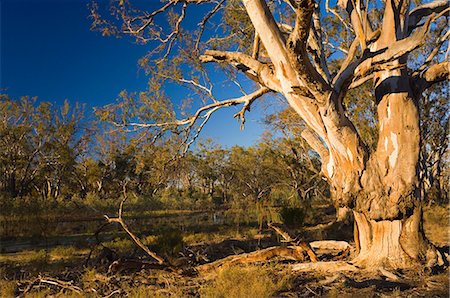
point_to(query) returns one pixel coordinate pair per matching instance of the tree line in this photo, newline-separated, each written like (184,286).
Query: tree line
(54,156)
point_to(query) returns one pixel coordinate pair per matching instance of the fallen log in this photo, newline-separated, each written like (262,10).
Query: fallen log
(324,267)
(295,253)
(330,244)
(53,282)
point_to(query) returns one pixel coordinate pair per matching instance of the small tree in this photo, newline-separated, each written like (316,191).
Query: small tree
(282,47)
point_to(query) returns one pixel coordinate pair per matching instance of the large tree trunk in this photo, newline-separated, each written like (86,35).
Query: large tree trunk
(397,243)
(383,189)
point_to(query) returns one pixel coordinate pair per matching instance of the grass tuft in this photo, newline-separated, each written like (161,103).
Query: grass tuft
(242,282)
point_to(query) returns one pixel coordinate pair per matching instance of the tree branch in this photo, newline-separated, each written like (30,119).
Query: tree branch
(434,74)
(255,70)
(316,144)
(296,50)
(418,13)
(136,240)
(393,51)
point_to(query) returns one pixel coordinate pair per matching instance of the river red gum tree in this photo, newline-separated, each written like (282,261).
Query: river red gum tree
(381,187)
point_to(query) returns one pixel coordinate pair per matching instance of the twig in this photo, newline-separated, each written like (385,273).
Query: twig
(53,282)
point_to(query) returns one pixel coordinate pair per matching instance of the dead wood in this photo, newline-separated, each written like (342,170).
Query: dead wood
(324,267)
(289,237)
(378,284)
(136,239)
(295,253)
(330,244)
(54,282)
(283,231)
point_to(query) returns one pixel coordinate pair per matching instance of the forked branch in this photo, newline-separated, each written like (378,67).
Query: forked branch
(136,240)
(418,13)
(255,70)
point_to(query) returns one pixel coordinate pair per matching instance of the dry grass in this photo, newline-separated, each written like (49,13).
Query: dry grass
(242,282)
(221,235)
(8,288)
(30,256)
(63,252)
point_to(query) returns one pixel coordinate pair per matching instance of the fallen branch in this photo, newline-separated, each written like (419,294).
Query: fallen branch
(283,231)
(136,240)
(290,238)
(54,282)
(295,253)
(324,267)
(137,265)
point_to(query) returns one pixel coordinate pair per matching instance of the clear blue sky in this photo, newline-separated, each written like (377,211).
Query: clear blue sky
(48,51)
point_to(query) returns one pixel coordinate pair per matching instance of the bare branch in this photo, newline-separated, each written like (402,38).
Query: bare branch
(336,14)
(205,20)
(434,74)
(120,221)
(393,51)
(298,56)
(255,70)
(315,43)
(433,53)
(347,68)
(241,114)
(255,51)
(418,13)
